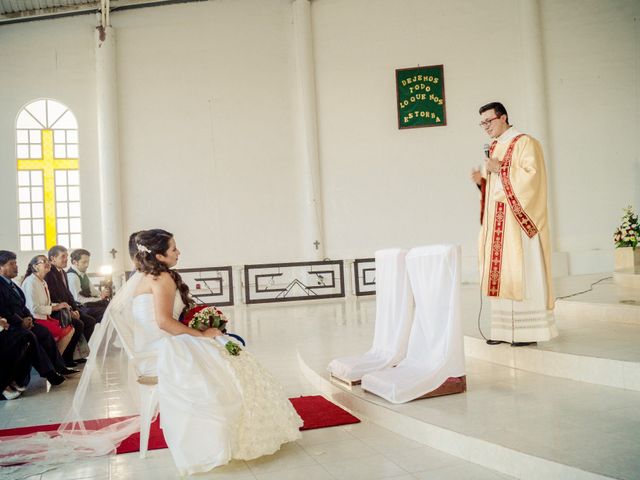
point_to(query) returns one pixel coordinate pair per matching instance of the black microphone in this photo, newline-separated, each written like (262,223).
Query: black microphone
(486,154)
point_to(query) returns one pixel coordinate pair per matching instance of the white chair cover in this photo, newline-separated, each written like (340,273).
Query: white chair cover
(436,345)
(393,320)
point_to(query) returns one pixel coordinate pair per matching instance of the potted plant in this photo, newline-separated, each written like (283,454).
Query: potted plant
(627,238)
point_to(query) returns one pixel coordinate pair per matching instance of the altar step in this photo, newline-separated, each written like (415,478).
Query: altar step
(599,340)
(517,423)
(543,360)
(607,303)
(627,279)
(614,298)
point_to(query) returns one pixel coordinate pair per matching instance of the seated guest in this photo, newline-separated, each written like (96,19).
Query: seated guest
(56,279)
(39,303)
(83,291)
(46,360)
(14,361)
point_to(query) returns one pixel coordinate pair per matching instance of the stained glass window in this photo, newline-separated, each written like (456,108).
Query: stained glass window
(48,177)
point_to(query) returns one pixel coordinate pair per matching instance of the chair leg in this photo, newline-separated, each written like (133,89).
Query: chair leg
(148,404)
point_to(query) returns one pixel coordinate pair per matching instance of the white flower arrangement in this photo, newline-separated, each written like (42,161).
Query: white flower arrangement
(628,233)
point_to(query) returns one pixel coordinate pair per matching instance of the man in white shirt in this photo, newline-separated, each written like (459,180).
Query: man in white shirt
(83,291)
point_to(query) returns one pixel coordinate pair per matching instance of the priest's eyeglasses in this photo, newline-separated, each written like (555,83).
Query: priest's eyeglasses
(487,122)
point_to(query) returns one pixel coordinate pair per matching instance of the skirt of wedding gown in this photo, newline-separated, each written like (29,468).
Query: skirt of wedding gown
(215,407)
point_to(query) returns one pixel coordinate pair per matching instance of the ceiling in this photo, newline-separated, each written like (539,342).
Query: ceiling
(16,11)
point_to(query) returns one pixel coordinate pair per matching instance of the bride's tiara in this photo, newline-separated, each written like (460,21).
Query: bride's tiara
(142,248)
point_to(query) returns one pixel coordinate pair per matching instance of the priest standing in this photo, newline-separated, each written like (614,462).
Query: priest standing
(515,247)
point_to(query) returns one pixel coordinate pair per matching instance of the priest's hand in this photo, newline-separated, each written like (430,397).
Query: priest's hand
(4,325)
(492,165)
(476,176)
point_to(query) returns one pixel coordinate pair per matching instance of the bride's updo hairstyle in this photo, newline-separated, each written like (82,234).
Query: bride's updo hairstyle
(152,242)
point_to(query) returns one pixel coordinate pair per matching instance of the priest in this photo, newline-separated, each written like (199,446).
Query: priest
(515,247)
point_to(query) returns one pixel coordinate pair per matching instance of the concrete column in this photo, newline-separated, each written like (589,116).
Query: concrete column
(536,109)
(109,163)
(314,246)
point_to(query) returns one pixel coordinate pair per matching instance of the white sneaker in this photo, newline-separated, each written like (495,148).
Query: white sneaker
(17,388)
(11,394)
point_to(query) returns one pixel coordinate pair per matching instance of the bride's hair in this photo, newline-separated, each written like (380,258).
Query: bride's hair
(152,242)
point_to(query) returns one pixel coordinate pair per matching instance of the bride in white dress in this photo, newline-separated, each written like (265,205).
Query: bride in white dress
(213,406)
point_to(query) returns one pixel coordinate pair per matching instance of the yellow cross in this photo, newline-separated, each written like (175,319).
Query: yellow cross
(48,166)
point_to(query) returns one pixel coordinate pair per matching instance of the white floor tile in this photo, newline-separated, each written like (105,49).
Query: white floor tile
(234,470)
(423,458)
(94,468)
(462,471)
(371,467)
(313,472)
(323,435)
(325,453)
(288,457)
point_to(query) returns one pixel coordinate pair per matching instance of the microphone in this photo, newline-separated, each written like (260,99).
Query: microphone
(486,154)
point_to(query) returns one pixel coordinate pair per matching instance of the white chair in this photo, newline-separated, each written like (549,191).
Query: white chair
(435,355)
(393,321)
(147,389)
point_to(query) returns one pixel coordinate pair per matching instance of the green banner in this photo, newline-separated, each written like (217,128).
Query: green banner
(420,93)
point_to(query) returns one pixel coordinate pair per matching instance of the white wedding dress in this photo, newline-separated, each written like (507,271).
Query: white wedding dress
(213,406)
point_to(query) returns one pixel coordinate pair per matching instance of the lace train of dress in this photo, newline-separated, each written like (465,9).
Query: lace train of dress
(213,406)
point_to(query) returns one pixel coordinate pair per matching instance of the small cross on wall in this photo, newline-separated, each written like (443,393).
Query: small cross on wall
(317,244)
(113,252)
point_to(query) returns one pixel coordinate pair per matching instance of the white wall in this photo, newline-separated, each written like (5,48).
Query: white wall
(48,59)
(592,51)
(388,187)
(209,134)
(206,128)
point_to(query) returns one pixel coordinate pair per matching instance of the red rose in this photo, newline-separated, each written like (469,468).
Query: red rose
(191,313)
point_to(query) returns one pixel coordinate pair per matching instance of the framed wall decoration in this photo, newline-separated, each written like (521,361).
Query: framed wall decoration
(420,97)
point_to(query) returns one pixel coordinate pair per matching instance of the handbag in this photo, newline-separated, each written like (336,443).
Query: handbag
(65,317)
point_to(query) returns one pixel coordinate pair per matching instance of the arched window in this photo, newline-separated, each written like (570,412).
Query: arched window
(48,177)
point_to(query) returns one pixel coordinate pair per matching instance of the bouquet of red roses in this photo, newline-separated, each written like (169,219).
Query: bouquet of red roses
(202,317)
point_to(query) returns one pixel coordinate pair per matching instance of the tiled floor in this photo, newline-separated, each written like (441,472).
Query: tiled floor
(349,452)
(552,417)
(590,427)
(361,451)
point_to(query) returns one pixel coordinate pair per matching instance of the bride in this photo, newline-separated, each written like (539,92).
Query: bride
(213,406)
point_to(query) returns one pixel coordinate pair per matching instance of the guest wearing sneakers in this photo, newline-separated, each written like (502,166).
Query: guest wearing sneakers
(46,360)
(15,361)
(83,291)
(59,292)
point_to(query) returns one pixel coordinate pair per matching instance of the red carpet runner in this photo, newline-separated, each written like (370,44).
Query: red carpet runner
(316,412)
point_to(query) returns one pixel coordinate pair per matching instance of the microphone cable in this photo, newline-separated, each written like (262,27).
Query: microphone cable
(484,244)
(585,291)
